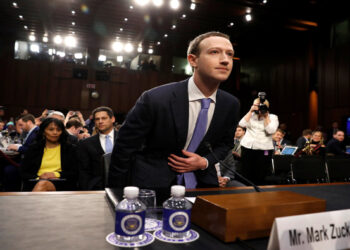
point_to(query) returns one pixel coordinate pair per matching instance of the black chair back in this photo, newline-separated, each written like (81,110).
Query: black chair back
(281,170)
(309,169)
(338,168)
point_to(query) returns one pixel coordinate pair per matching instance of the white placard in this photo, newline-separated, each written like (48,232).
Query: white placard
(319,231)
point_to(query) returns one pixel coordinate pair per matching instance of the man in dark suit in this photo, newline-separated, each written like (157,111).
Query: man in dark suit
(12,177)
(336,145)
(90,150)
(301,142)
(152,148)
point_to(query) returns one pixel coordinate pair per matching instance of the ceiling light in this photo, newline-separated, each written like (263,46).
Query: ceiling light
(117,46)
(15,5)
(78,55)
(174,4)
(32,37)
(73,32)
(157,3)
(150,51)
(264,1)
(158,43)
(248,17)
(102,58)
(45,39)
(73,23)
(125,19)
(128,47)
(131,7)
(20,17)
(142,2)
(61,53)
(231,24)
(183,16)
(73,12)
(25,27)
(165,35)
(34,48)
(193,6)
(70,41)
(121,29)
(119,58)
(173,27)
(51,52)
(57,39)
(139,49)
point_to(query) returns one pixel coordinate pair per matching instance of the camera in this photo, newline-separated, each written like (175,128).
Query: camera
(263,108)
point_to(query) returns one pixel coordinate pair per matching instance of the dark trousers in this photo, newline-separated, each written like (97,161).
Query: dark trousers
(256,164)
(12,181)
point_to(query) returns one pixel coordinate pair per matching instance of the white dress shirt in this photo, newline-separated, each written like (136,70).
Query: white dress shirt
(103,139)
(257,135)
(194,97)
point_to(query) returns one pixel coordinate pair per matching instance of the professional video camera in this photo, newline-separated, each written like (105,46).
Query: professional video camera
(263,108)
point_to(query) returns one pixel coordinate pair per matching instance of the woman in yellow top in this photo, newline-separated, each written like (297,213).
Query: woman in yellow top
(50,163)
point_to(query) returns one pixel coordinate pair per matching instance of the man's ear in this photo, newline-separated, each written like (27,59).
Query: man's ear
(192,59)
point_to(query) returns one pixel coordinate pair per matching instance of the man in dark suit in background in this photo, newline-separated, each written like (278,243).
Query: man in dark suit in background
(158,144)
(302,140)
(336,145)
(12,177)
(90,150)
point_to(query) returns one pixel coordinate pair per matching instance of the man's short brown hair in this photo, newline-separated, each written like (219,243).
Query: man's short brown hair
(74,123)
(108,110)
(193,47)
(26,118)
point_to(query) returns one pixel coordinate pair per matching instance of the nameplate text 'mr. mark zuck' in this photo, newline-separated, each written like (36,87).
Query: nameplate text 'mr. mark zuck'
(327,230)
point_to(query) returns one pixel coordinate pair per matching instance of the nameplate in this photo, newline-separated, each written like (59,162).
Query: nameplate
(327,230)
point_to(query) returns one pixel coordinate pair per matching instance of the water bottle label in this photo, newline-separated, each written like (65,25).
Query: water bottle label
(176,220)
(130,224)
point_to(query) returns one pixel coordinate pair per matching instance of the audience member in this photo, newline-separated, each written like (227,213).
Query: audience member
(2,125)
(287,135)
(91,173)
(74,115)
(315,146)
(2,113)
(233,159)
(56,114)
(336,145)
(279,142)
(257,146)
(50,163)
(332,130)
(305,138)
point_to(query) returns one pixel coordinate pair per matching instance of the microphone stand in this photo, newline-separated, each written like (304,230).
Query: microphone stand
(257,189)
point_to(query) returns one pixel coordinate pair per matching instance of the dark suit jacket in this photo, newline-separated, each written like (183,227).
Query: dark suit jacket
(34,155)
(301,142)
(91,171)
(157,126)
(336,147)
(30,139)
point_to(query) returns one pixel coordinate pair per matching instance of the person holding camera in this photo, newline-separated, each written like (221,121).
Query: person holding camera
(257,146)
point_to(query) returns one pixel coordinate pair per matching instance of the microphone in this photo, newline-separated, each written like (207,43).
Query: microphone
(208,145)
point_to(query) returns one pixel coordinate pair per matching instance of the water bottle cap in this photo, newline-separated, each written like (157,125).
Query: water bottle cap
(131,192)
(178,190)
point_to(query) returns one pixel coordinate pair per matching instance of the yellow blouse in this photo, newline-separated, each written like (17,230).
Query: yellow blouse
(51,161)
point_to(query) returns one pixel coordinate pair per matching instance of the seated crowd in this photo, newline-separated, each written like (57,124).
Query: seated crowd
(58,152)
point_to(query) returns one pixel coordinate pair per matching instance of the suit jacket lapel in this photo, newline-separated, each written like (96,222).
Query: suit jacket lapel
(179,107)
(97,143)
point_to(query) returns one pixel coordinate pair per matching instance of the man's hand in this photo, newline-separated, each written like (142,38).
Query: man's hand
(13,147)
(48,175)
(191,163)
(223,181)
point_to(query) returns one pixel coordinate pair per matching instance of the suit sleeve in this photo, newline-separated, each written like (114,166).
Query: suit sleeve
(130,139)
(69,163)
(85,171)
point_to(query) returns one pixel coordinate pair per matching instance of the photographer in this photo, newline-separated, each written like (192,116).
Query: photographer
(257,146)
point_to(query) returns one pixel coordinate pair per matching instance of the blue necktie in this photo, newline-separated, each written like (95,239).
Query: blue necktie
(198,134)
(108,145)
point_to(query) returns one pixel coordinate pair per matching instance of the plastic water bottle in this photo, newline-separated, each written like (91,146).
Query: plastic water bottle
(130,217)
(177,214)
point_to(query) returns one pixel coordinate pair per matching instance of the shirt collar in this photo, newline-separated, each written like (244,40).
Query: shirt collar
(111,134)
(195,94)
